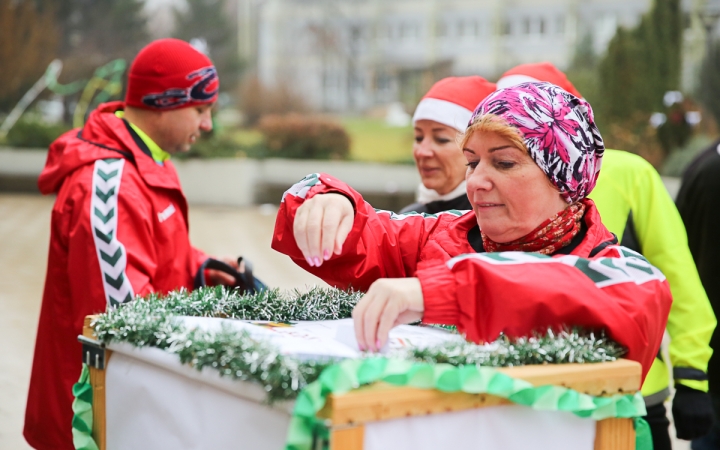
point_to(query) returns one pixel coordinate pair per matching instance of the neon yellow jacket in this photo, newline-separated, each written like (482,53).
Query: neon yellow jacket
(634,204)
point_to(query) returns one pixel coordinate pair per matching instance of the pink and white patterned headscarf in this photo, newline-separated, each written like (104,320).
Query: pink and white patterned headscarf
(559,130)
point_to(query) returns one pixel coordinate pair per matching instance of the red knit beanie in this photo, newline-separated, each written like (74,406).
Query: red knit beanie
(170,74)
(451,101)
(534,72)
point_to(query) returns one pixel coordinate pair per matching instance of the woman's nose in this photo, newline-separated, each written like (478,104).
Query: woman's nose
(423,149)
(478,179)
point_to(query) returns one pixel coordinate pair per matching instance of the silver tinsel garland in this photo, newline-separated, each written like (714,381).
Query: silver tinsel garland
(150,322)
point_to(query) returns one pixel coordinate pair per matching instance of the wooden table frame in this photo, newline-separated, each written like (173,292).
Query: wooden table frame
(347,414)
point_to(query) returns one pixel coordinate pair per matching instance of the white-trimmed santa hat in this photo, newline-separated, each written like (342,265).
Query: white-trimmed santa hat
(534,72)
(451,101)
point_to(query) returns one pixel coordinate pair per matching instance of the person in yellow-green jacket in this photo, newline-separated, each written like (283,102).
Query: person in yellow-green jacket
(636,207)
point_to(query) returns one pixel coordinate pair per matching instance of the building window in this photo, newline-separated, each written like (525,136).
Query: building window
(506,28)
(385,31)
(331,80)
(527,25)
(474,28)
(460,28)
(357,82)
(441,29)
(543,28)
(383,81)
(409,30)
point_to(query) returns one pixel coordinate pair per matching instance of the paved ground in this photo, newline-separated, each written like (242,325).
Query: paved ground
(24,234)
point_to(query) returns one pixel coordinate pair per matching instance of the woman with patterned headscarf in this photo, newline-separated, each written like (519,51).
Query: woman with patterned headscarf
(533,252)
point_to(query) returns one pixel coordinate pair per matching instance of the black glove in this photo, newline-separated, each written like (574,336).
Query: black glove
(692,411)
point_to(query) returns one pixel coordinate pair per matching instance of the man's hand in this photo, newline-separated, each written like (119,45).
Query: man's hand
(321,226)
(692,412)
(389,302)
(221,278)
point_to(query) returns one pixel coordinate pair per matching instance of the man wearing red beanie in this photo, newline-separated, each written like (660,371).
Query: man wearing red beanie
(119,225)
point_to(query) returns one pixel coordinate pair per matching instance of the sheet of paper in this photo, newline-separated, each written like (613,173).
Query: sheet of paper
(332,339)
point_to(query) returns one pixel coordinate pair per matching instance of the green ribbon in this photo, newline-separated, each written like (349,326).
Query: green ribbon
(306,429)
(82,421)
(643,437)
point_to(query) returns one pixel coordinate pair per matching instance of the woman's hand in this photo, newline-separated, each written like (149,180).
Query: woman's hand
(389,302)
(321,226)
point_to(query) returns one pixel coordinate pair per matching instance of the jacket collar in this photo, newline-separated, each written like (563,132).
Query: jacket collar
(596,234)
(104,128)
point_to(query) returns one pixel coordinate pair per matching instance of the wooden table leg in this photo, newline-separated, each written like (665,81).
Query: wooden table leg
(615,434)
(350,438)
(97,381)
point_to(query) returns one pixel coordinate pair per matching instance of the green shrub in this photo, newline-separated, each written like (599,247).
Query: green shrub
(211,146)
(304,137)
(30,133)
(223,146)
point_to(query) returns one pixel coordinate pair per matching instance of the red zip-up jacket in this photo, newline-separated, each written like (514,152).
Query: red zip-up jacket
(119,229)
(599,285)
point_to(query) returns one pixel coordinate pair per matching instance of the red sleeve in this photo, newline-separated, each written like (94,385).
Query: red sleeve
(381,244)
(518,293)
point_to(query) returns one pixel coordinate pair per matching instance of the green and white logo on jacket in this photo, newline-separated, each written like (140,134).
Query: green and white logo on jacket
(301,188)
(627,267)
(104,222)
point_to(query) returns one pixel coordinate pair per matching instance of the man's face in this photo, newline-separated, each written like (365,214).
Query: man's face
(178,129)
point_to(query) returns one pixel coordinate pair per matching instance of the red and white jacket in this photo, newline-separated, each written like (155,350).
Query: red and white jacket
(598,285)
(119,229)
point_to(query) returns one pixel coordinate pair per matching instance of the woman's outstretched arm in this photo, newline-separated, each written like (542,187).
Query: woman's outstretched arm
(343,240)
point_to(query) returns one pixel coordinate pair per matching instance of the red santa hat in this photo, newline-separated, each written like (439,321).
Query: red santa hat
(171,74)
(451,101)
(534,72)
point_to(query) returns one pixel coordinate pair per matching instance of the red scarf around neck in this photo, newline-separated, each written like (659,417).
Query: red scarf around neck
(549,237)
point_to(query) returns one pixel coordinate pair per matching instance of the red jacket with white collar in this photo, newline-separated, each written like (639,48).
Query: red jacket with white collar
(119,229)
(598,285)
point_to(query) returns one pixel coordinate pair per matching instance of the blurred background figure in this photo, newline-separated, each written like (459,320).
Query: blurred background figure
(699,205)
(442,112)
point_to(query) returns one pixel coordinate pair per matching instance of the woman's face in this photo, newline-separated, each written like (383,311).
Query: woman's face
(509,193)
(437,156)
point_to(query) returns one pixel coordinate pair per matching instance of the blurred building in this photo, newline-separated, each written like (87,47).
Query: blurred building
(345,55)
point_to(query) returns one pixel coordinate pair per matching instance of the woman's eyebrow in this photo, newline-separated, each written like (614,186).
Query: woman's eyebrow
(502,147)
(468,150)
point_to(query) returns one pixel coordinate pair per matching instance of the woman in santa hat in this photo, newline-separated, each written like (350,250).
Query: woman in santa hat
(443,112)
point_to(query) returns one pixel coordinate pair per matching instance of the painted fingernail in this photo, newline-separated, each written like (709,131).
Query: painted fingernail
(326,255)
(309,261)
(377,345)
(317,261)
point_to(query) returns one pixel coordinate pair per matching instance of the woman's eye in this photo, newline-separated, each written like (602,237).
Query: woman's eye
(472,164)
(418,139)
(505,164)
(442,141)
